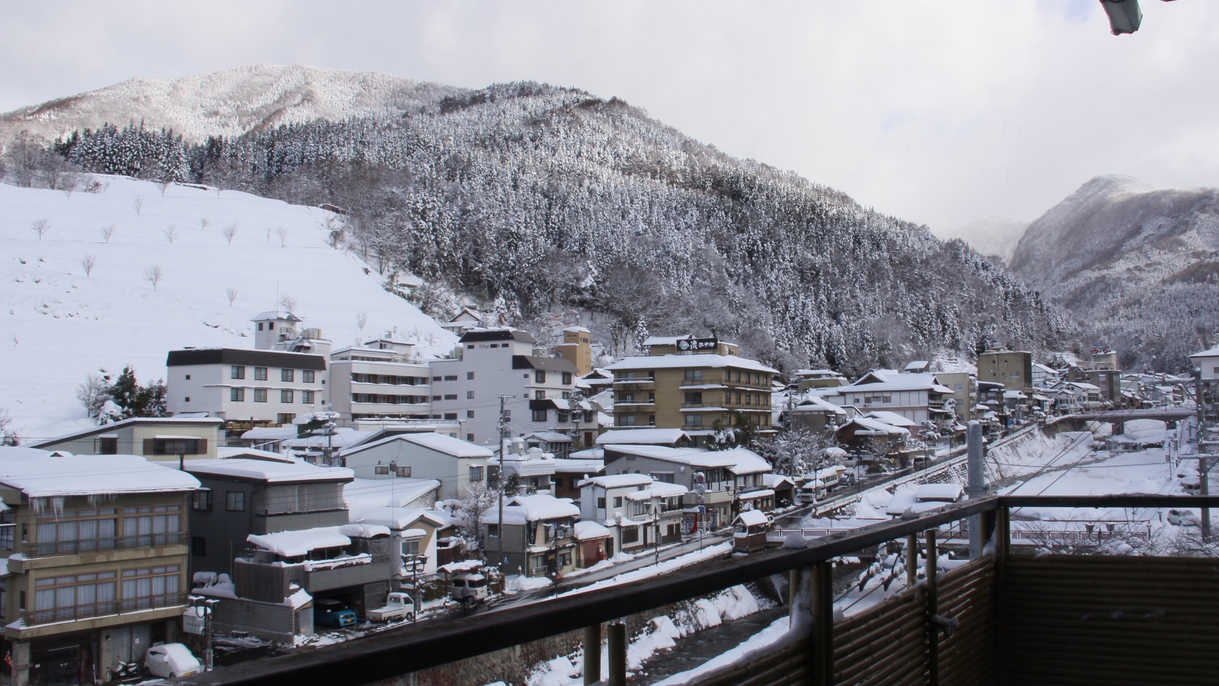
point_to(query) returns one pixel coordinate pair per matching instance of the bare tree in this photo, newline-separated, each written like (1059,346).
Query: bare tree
(137,205)
(229,232)
(204,222)
(361,319)
(87,263)
(232,293)
(472,507)
(283,236)
(107,232)
(7,435)
(153,275)
(288,303)
(92,392)
(163,185)
(69,181)
(171,234)
(41,226)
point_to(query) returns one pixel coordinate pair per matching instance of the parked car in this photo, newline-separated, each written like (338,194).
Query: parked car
(170,661)
(469,588)
(330,612)
(1182,518)
(398,606)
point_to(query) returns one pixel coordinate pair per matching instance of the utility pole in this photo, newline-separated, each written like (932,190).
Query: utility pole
(1204,463)
(503,446)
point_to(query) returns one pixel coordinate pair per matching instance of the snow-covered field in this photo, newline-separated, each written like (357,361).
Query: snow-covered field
(61,319)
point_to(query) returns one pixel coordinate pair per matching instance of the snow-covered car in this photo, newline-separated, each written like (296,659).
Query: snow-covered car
(330,612)
(469,588)
(170,661)
(1182,518)
(1191,483)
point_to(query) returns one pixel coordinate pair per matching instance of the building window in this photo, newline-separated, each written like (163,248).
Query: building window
(694,420)
(260,373)
(236,372)
(476,473)
(450,396)
(187,399)
(381,469)
(64,598)
(108,445)
(404,472)
(539,376)
(188,377)
(234,501)
(450,377)
(285,397)
(469,395)
(198,546)
(307,397)
(626,419)
(493,530)
(694,398)
(260,395)
(601,503)
(287,374)
(201,500)
(566,378)
(617,501)
(284,418)
(175,446)
(470,438)
(469,414)
(539,415)
(651,420)
(539,395)
(150,587)
(469,376)
(695,376)
(450,415)
(307,375)
(237,395)
(630,535)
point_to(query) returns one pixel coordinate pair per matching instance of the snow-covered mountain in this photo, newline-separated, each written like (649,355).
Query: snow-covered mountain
(61,319)
(991,236)
(1140,265)
(228,103)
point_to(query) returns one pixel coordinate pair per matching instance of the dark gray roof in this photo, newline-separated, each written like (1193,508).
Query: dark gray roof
(483,335)
(546,364)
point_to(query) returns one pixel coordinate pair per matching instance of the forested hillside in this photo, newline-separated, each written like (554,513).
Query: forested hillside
(538,199)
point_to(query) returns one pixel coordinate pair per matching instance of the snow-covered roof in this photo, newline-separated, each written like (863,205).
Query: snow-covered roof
(132,421)
(581,465)
(752,518)
(454,447)
(587,531)
(773,481)
(875,427)
(532,508)
(300,542)
(696,457)
(268,471)
(746,461)
(641,437)
(658,489)
(549,436)
(341,438)
(275,314)
(817,403)
(949,493)
(269,433)
(619,480)
(227,453)
(691,361)
(393,492)
(394,518)
(43,474)
(891,418)
(1211,352)
(890,380)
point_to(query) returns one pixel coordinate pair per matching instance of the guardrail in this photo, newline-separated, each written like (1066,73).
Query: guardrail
(391,655)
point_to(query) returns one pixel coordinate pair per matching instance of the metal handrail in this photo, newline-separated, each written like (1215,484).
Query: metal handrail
(391,654)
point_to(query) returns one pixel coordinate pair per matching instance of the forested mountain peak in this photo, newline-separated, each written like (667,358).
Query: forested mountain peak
(1141,265)
(539,201)
(229,103)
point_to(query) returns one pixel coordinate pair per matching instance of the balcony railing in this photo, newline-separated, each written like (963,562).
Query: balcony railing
(94,545)
(1003,618)
(113,607)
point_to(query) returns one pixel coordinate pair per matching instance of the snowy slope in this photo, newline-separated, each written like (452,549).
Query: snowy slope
(58,324)
(229,102)
(990,236)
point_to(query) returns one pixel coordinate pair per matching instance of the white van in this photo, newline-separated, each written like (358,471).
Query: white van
(811,492)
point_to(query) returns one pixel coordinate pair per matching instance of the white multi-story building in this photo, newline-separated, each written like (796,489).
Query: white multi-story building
(488,363)
(283,377)
(381,379)
(917,397)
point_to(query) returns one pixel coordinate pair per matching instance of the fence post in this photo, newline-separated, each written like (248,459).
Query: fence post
(933,643)
(911,560)
(822,582)
(793,594)
(592,654)
(617,653)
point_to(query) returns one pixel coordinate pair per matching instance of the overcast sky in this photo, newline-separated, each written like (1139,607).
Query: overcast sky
(939,112)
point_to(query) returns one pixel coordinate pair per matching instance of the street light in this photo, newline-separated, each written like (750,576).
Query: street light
(204,606)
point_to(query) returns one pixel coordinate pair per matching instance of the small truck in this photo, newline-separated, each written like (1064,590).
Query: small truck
(398,606)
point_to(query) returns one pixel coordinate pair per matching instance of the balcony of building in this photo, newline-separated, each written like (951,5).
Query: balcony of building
(1011,615)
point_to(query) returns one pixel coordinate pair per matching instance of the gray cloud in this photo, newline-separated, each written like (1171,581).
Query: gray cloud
(937,112)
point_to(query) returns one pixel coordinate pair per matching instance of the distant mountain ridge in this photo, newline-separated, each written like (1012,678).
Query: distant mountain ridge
(229,103)
(1139,266)
(533,199)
